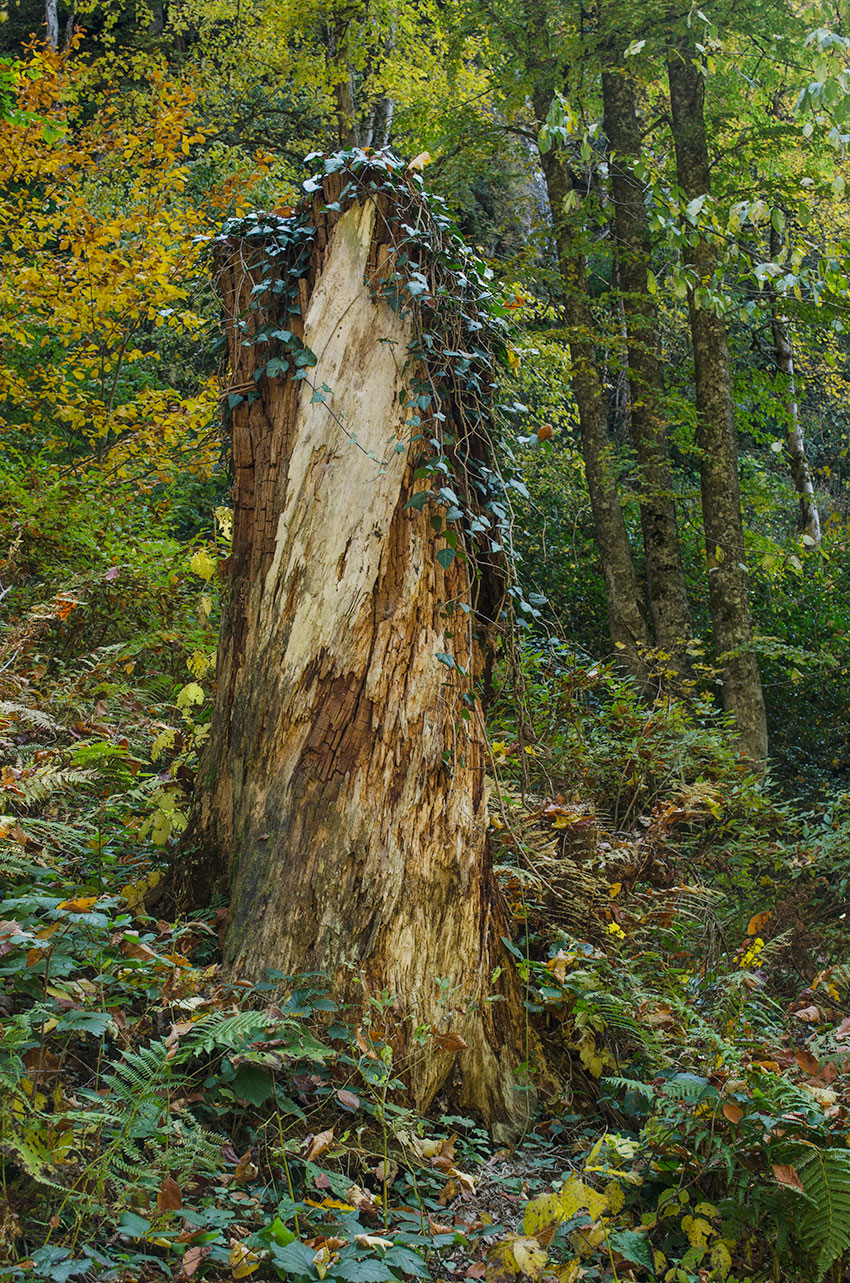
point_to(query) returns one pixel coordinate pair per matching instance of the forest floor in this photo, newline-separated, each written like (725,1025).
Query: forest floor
(678,927)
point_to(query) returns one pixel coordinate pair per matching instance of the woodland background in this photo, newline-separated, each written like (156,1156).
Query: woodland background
(678,914)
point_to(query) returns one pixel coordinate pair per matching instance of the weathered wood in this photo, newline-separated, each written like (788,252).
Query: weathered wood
(343,793)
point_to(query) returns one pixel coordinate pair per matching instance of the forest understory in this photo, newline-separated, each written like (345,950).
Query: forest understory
(642,317)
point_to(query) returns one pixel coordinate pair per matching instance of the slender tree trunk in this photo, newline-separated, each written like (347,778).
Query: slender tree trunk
(721,502)
(51,23)
(346,113)
(343,791)
(668,598)
(801,473)
(626,623)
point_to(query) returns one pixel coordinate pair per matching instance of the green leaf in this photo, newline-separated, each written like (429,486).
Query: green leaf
(132,1225)
(633,1246)
(253,1084)
(370,1270)
(445,557)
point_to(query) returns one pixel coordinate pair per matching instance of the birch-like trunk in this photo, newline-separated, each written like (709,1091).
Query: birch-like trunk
(668,598)
(626,623)
(343,794)
(795,440)
(728,592)
(51,23)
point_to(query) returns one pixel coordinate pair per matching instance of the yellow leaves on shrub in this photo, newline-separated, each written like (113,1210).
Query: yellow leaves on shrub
(202,564)
(543,1215)
(698,1230)
(721,1258)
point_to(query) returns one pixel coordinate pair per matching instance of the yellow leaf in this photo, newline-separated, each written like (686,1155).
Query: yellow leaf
(242,1261)
(78,906)
(615,1196)
(190,694)
(577,1195)
(721,1258)
(529,1256)
(202,564)
(614,889)
(542,1216)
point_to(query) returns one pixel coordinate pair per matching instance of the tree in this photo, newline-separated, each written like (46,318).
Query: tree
(718,453)
(795,438)
(626,622)
(343,794)
(668,597)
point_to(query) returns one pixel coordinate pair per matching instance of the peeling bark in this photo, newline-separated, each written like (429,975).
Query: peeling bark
(718,452)
(626,623)
(51,23)
(668,598)
(352,846)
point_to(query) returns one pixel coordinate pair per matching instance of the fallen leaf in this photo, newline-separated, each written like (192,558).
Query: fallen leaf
(169,1198)
(807,1062)
(246,1169)
(348,1099)
(787,1175)
(809,1015)
(192,1258)
(732,1112)
(316,1145)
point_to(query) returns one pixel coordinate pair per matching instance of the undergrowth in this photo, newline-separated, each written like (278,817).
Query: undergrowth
(677,924)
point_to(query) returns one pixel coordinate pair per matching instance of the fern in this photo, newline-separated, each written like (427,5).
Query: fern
(823,1221)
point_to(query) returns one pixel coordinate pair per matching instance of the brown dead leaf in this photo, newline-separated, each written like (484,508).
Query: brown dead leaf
(313,1146)
(807,1062)
(169,1198)
(732,1112)
(445,1157)
(348,1099)
(809,1015)
(192,1258)
(246,1169)
(787,1175)
(450,1042)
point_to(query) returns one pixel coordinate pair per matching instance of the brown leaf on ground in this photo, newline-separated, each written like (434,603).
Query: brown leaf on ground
(169,1198)
(316,1145)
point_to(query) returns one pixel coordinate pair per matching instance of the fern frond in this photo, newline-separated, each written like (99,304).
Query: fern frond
(823,1221)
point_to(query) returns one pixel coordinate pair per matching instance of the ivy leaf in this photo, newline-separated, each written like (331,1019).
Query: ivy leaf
(445,557)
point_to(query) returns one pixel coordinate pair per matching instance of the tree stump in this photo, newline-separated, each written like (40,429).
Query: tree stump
(342,795)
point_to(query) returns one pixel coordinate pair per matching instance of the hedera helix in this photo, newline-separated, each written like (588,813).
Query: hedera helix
(462,332)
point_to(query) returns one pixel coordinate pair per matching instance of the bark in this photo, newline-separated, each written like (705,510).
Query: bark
(795,440)
(51,23)
(626,623)
(346,117)
(716,441)
(343,795)
(668,598)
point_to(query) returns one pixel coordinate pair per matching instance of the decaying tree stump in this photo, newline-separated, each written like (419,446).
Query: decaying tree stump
(342,795)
